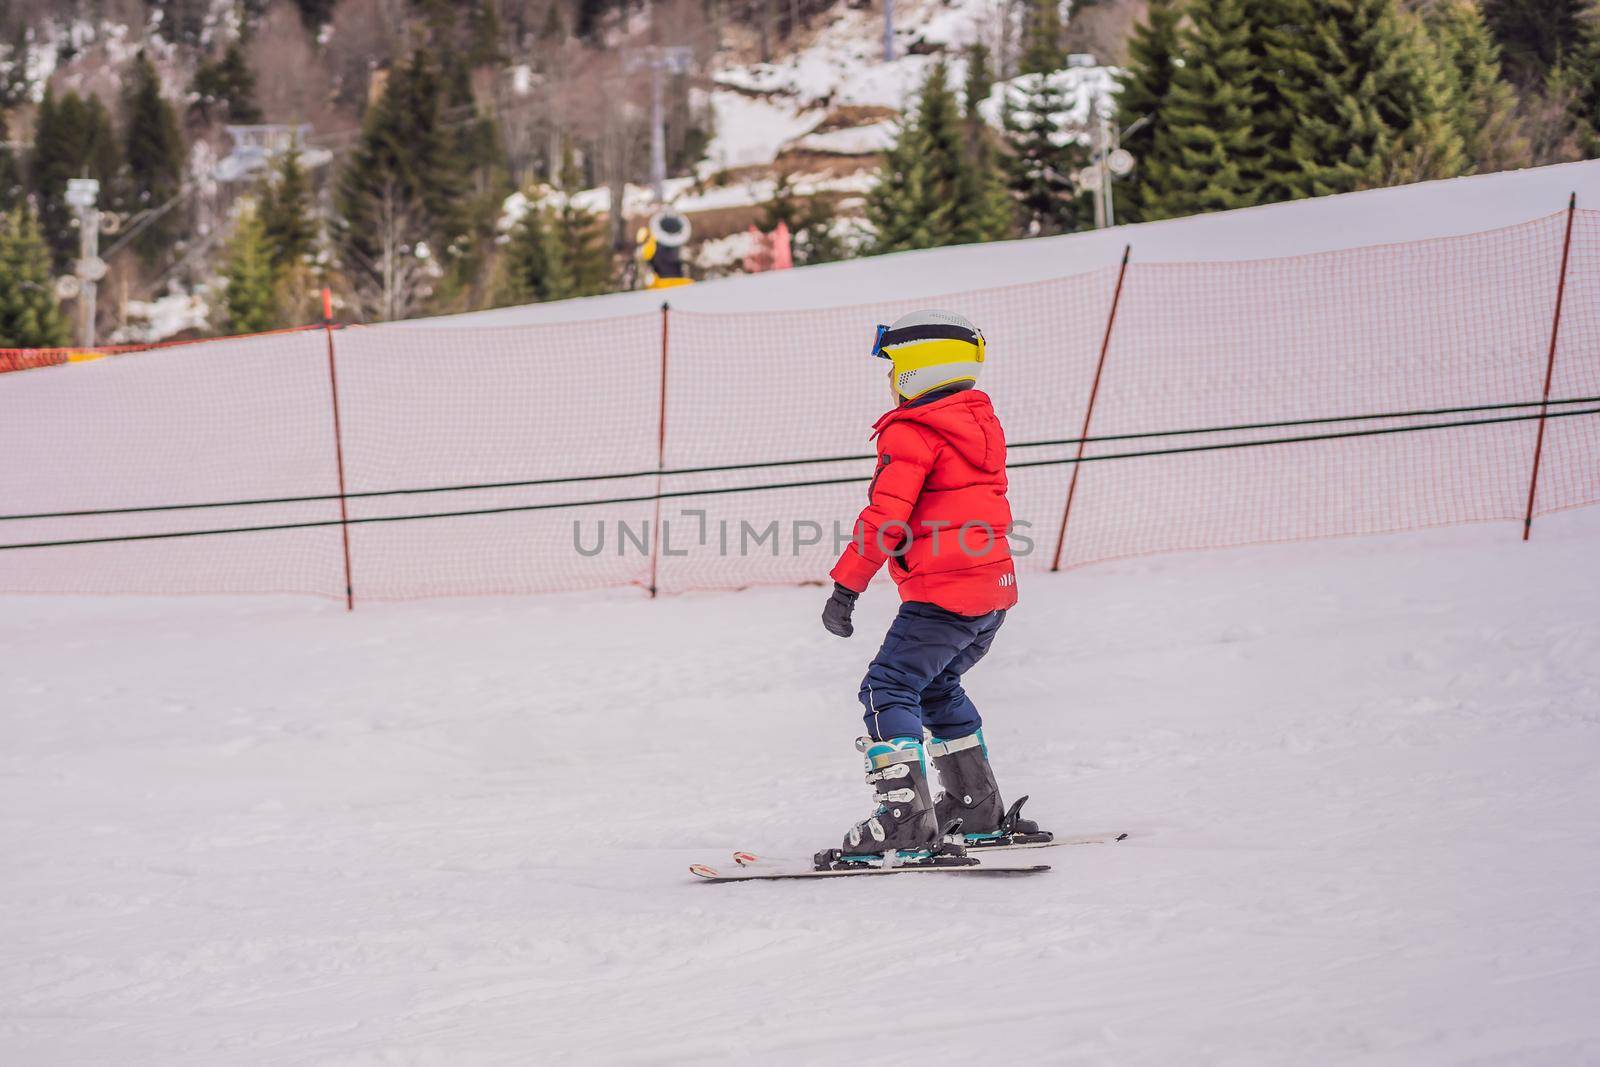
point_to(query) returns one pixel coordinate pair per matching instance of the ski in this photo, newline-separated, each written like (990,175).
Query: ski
(753,860)
(1019,841)
(773,870)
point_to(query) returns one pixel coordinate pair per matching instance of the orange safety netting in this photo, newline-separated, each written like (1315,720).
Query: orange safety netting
(1358,391)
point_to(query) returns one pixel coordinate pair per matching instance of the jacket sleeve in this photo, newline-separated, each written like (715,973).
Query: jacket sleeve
(904,459)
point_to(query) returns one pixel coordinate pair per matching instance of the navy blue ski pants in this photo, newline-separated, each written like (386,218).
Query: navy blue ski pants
(915,679)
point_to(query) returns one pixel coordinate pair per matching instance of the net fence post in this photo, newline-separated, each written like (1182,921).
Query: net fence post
(1549,367)
(1088,411)
(338,447)
(661,453)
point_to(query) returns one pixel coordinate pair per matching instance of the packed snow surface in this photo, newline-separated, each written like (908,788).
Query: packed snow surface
(1359,776)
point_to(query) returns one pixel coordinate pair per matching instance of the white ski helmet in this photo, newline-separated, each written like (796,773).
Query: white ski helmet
(930,350)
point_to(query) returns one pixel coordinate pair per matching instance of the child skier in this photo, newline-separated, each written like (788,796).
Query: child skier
(938,515)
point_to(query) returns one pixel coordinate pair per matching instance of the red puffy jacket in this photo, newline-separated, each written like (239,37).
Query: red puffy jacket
(938,510)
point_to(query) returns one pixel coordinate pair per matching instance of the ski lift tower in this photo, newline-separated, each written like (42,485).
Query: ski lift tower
(256,147)
(255,150)
(660,60)
(82,196)
(1108,161)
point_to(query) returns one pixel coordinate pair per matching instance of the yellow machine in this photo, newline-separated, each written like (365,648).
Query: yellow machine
(661,251)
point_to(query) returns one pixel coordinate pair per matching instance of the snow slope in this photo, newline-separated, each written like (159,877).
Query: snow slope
(1359,775)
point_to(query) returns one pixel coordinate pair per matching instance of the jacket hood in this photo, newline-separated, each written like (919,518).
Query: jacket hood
(965,420)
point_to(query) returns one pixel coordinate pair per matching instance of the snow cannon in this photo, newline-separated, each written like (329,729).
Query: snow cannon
(661,251)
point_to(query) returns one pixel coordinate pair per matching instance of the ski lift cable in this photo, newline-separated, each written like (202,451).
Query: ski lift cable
(142,220)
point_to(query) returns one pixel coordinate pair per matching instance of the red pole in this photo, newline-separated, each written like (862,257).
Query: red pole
(1088,413)
(661,452)
(1549,368)
(338,448)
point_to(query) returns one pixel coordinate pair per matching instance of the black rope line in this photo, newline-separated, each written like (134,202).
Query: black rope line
(1421,413)
(769,464)
(780,485)
(1304,437)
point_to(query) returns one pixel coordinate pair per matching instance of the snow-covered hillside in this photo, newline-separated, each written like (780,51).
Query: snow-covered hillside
(1299,227)
(1359,778)
(824,110)
(762,108)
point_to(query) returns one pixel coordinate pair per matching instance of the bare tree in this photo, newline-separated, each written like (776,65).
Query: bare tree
(1545,119)
(292,82)
(397,279)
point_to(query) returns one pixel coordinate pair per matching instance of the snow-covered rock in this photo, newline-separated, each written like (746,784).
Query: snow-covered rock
(163,317)
(851,141)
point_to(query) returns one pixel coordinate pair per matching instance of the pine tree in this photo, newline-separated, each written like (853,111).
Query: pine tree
(535,266)
(400,219)
(29,314)
(556,252)
(581,236)
(1045,157)
(819,239)
(994,210)
(225,90)
(1576,83)
(969,185)
(102,153)
(1210,118)
(1276,46)
(404,137)
(55,160)
(1371,101)
(287,225)
(980,145)
(1536,36)
(154,154)
(898,208)
(1145,85)
(483,31)
(11,190)
(1041,43)
(251,295)
(478,158)
(980,82)
(931,190)
(1485,107)
(1431,145)
(315,13)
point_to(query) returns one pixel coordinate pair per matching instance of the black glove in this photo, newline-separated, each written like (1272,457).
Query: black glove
(836,612)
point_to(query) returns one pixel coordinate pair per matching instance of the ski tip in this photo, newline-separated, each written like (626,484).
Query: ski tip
(1121,837)
(700,870)
(745,859)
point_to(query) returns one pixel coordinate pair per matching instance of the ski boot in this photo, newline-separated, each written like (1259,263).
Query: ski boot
(902,831)
(971,797)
